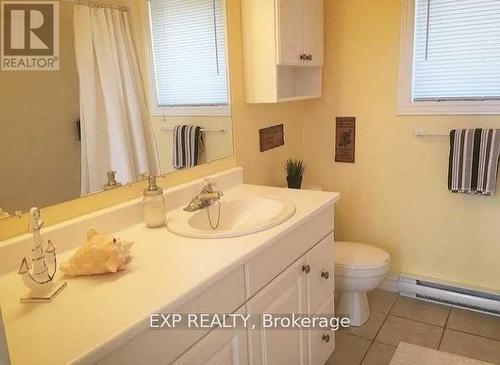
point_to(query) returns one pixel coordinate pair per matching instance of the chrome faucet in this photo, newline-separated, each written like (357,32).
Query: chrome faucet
(112,183)
(207,196)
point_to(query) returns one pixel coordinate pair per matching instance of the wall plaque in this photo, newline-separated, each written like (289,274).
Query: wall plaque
(345,139)
(271,137)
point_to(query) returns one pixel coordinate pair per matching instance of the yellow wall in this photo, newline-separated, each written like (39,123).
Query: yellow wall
(395,195)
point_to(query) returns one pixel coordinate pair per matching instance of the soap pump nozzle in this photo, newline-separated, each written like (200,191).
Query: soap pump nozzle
(153,188)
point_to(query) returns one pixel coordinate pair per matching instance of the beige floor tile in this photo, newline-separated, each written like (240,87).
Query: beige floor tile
(349,350)
(370,328)
(396,330)
(420,310)
(408,354)
(477,347)
(379,354)
(381,300)
(475,323)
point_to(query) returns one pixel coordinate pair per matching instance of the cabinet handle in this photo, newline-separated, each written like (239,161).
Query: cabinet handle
(306,269)
(326,338)
(325,275)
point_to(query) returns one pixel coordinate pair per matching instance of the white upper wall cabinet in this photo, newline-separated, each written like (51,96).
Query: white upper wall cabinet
(300,32)
(290,33)
(283,49)
(314,31)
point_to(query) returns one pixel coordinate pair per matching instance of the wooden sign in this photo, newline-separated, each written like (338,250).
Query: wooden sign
(271,137)
(345,139)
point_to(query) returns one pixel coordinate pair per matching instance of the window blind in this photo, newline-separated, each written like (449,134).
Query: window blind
(456,50)
(189,52)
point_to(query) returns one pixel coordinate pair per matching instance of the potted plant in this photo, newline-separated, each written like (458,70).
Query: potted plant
(294,171)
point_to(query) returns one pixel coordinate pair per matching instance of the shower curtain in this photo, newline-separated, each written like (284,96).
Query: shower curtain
(116,129)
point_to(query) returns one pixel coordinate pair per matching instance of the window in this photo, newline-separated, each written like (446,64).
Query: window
(189,54)
(450,60)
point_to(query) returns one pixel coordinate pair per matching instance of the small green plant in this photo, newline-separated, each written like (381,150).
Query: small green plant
(294,168)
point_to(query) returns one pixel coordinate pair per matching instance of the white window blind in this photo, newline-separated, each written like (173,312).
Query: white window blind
(188,40)
(456,50)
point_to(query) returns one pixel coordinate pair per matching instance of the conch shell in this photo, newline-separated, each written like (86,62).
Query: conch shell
(98,255)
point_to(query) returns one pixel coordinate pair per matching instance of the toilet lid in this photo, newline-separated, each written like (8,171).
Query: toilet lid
(359,255)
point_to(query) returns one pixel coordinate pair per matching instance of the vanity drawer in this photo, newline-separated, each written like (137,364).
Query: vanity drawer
(322,340)
(263,268)
(321,277)
(163,346)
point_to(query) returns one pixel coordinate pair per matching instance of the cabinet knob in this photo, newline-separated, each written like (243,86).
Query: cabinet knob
(306,269)
(325,275)
(303,57)
(310,57)
(326,338)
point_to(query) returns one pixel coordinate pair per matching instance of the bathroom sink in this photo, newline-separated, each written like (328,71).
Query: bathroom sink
(238,217)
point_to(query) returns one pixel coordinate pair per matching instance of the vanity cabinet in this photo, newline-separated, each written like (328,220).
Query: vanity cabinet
(282,49)
(294,274)
(163,346)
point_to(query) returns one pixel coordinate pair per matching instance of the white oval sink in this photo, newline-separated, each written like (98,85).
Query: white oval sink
(239,217)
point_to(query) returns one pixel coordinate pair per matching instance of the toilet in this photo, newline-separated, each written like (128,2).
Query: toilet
(359,268)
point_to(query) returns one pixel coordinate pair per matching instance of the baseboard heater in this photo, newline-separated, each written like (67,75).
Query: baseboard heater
(453,294)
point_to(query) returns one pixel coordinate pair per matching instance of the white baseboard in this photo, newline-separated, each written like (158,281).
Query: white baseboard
(390,283)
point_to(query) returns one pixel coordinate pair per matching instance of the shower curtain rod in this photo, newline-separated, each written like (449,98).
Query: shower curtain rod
(97,4)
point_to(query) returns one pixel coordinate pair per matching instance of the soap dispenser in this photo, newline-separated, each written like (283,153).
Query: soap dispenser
(154,204)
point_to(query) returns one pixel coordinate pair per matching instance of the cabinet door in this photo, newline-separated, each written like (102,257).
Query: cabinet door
(322,341)
(313,31)
(320,278)
(289,23)
(219,347)
(284,295)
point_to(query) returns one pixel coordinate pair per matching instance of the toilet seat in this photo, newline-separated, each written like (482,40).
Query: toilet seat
(354,255)
(361,273)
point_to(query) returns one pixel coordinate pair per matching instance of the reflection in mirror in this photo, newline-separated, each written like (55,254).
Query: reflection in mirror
(188,45)
(116,110)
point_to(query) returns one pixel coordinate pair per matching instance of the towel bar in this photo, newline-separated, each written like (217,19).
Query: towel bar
(422,133)
(220,130)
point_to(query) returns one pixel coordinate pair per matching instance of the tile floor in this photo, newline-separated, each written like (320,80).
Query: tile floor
(397,319)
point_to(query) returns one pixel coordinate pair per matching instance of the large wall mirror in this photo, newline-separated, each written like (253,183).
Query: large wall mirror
(129,96)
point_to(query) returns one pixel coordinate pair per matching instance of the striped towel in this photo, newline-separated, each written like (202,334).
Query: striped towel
(473,164)
(187,143)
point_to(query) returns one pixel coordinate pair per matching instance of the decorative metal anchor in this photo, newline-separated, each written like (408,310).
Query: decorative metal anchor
(39,268)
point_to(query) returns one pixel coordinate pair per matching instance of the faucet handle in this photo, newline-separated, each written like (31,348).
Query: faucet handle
(210,183)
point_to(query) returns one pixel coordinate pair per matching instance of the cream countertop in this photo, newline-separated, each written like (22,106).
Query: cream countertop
(94,315)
